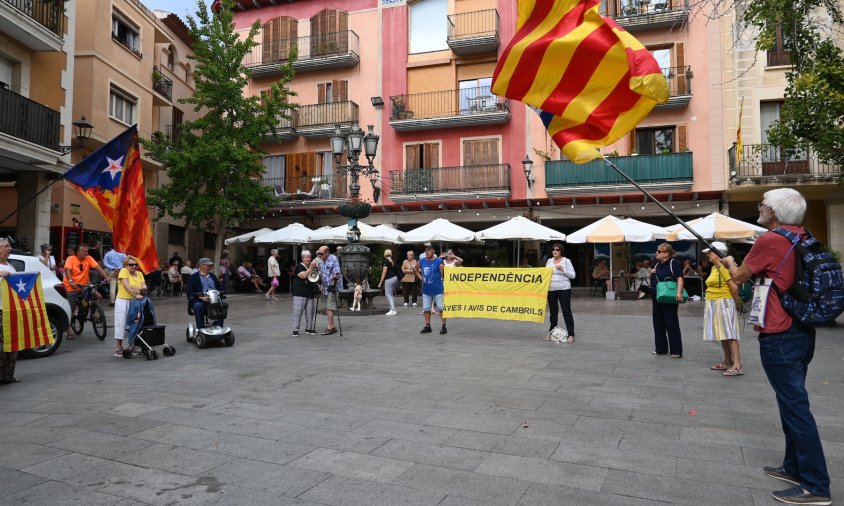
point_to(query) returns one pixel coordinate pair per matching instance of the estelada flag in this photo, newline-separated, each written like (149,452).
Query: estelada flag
(591,80)
(25,322)
(112,180)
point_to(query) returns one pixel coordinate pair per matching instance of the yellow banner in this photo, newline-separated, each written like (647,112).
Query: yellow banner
(503,294)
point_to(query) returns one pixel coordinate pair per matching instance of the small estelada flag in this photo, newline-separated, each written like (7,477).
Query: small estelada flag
(25,322)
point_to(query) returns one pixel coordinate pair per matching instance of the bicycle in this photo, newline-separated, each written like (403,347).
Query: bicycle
(88,308)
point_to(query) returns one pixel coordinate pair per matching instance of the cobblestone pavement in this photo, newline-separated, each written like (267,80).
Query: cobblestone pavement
(487,414)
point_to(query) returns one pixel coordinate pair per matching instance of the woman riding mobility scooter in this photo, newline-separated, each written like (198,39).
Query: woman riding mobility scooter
(205,303)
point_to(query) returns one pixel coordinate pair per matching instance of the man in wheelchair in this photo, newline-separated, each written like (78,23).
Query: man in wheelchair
(199,284)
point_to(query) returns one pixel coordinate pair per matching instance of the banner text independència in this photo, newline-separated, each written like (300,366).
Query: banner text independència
(490,277)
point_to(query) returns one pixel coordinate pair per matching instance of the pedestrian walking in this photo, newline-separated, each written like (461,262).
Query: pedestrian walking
(389,280)
(430,270)
(720,313)
(667,338)
(786,348)
(559,292)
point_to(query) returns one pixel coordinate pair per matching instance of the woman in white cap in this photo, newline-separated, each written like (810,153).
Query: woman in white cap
(720,316)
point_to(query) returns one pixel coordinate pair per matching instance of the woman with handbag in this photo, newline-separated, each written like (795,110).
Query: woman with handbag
(720,315)
(666,299)
(559,292)
(273,272)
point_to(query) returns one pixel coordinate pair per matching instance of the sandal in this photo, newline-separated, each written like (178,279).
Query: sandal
(721,366)
(732,371)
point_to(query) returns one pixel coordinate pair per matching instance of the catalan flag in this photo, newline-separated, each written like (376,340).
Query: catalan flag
(112,180)
(25,323)
(739,145)
(591,80)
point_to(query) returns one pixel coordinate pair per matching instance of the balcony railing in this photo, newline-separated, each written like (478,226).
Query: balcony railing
(161,84)
(669,171)
(28,120)
(679,86)
(449,108)
(779,58)
(318,120)
(468,181)
(646,14)
(308,188)
(47,13)
(768,162)
(473,32)
(313,52)
(285,129)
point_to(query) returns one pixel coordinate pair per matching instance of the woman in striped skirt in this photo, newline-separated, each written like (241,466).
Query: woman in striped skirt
(720,317)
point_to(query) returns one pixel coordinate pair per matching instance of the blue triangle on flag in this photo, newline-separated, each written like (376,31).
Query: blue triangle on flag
(22,283)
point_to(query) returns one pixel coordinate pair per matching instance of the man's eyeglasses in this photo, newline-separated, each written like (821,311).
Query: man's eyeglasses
(760,205)
(660,251)
(132,265)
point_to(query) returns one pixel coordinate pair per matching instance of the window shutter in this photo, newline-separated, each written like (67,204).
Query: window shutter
(679,57)
(321,98)
(467,152)
(5,72)
(682,144)
(410,156)
(435,156)
(270,41)
(493,151)
(343,91)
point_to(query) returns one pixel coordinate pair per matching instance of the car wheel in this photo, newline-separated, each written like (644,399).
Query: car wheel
(99,323)
(46,351)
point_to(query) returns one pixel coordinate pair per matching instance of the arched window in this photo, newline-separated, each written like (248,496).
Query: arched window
(329,32)
(171,56)
(279,37)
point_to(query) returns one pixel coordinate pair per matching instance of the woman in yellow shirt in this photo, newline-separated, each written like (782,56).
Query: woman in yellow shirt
(720,316)
(130,286)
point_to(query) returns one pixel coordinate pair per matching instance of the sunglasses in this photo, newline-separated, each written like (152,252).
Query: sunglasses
(555,249)
(132,265)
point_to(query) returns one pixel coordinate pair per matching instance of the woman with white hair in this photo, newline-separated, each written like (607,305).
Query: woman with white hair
(273,272)
(304,293)
(389,280)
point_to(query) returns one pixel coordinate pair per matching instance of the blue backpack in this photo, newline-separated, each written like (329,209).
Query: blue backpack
(817,295)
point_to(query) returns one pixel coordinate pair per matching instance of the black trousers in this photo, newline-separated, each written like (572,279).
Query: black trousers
(409,291)
(561,299)
(667,336)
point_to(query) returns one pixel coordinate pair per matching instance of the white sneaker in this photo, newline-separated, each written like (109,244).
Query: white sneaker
(391,313)
(405,304)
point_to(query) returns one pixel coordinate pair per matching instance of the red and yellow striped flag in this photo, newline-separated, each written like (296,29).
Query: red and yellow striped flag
(739,145)
(592,80)
(25,322)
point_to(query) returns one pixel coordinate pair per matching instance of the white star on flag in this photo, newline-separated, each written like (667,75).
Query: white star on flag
(21,286)
(114,167)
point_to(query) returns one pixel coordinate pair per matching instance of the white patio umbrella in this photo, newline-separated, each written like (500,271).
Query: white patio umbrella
(439,230)
(520,228)
(248,236)
(611,230)
(658,232)
(716,226)
(295,233)
(388,233)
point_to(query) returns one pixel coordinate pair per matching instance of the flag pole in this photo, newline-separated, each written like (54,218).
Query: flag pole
(661,205)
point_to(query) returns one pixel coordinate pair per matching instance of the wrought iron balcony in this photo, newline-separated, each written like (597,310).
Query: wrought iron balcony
(285,129)
(28,120)
(768,163)
(671,171)
(162,85)
(313,52)
(450,183)
(309,189)
(637,15)
(779,58)
(318,120)
(473,32)
(679,86)
(22,19)
(448,109)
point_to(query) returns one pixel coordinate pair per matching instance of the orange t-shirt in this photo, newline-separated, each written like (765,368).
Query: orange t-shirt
(78,270)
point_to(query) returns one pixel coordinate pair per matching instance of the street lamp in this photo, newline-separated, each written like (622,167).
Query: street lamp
(527,165)
(82,131)
(352,142)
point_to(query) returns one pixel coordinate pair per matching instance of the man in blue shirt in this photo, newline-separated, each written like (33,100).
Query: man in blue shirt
(113,262)
(198,285)
(331,282)
(430,271)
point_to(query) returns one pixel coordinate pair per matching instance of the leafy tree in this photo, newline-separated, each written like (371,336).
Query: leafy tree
(813,112)
(214,165)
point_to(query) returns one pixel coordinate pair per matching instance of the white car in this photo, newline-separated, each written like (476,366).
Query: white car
(58,309)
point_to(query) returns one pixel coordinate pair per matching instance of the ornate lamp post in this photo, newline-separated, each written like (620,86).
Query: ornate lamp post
(353,142)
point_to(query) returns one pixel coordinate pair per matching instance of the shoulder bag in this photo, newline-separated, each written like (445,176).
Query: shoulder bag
(666,289)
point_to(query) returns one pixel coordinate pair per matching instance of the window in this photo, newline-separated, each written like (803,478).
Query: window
(769,113)
(121,106)
(422,156)
(5,73)
(171,57)
(428,26)
(209,241)
(334,91)
(278,38)
(654,141)
(779,55)
(176,235)
(329,32)
(480,152)
(475,95)
(125,33)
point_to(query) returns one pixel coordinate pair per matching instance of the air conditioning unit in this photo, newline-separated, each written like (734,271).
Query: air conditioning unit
(55,207)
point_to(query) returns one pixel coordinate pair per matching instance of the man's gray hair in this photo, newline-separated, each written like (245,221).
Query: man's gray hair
(788,205)
(273,252)
(306,253)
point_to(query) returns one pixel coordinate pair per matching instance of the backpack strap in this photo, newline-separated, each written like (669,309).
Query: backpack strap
(794,239)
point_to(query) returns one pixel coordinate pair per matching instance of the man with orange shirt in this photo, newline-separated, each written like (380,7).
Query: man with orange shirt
(77,269)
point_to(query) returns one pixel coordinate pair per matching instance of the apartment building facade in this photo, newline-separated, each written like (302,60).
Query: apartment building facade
(36,95)
(754,84)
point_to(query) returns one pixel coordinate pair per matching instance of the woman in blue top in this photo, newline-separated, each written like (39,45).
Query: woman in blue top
(665,319)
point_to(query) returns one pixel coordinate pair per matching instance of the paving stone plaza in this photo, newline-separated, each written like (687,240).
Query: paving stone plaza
(487,414)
